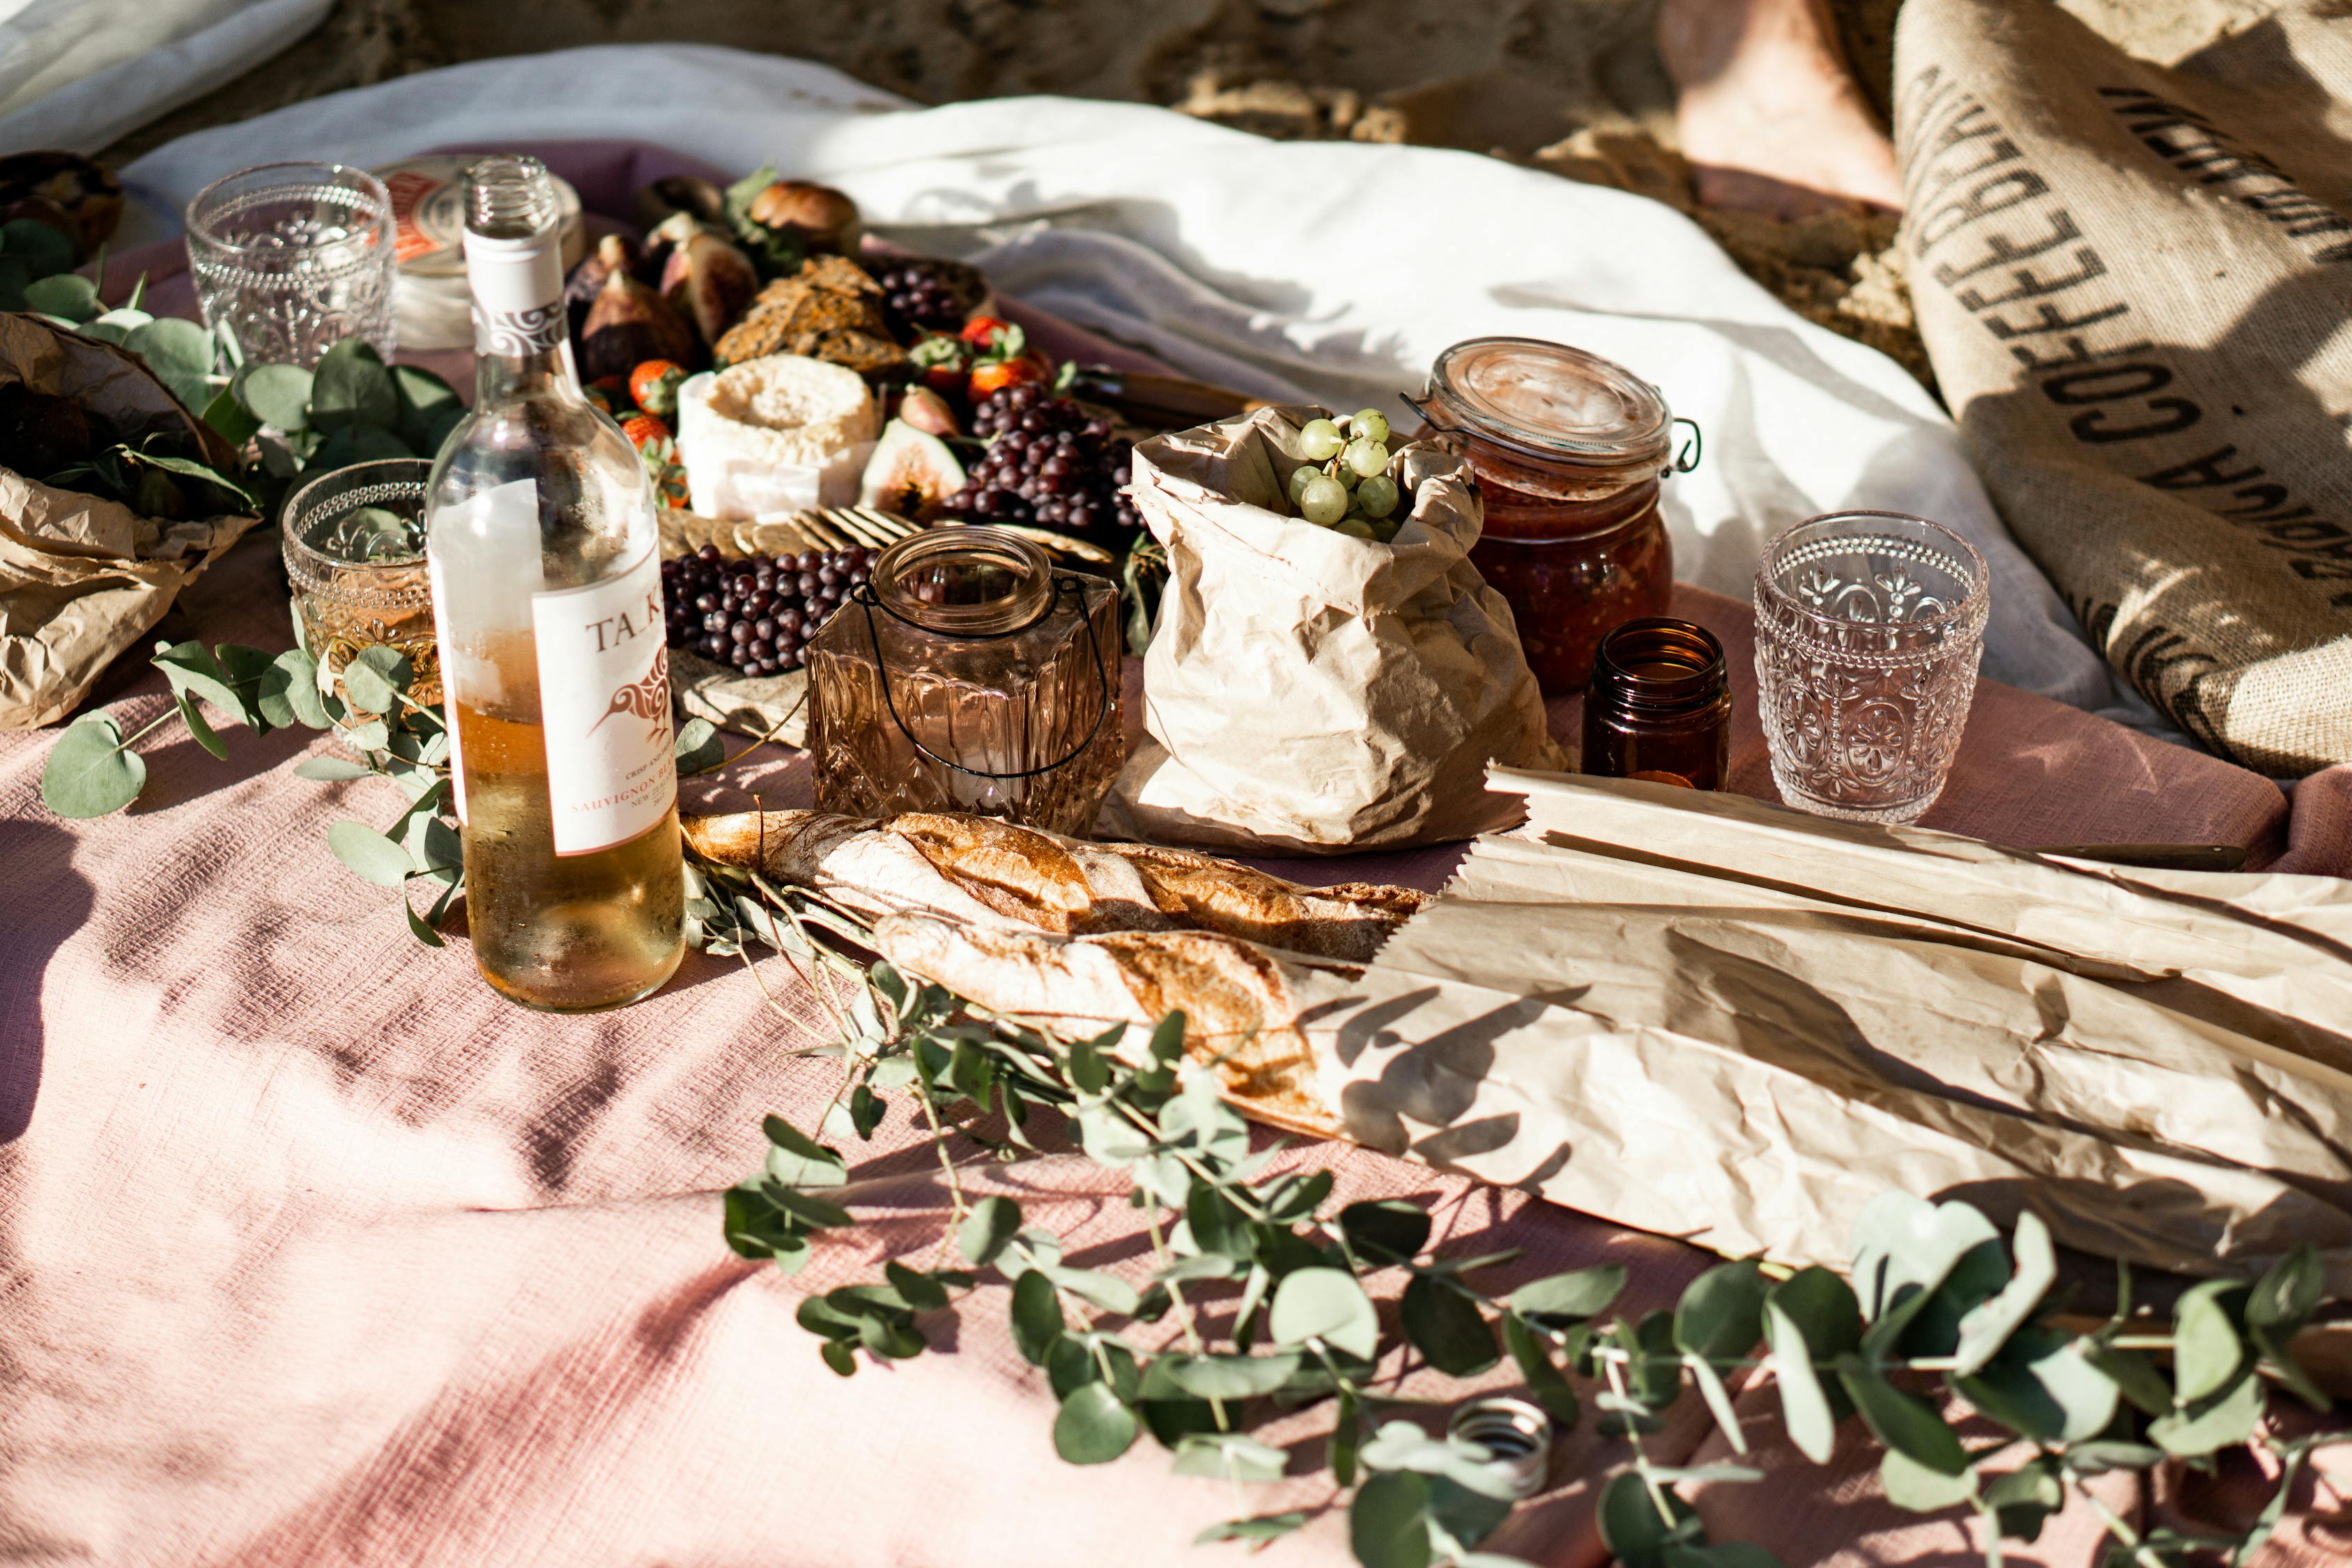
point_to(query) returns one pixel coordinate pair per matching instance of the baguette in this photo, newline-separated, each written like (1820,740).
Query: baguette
(986,872)
(1240,1002)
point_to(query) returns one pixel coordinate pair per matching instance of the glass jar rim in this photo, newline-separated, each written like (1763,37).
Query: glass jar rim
(1030,600)
(1465,397)
(1615,681)
(329,174)
(1973,606)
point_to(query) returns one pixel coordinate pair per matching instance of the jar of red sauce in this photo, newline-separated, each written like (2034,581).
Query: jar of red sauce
(1569,450)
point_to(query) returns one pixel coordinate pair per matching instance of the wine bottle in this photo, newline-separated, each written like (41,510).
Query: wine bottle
(547,607)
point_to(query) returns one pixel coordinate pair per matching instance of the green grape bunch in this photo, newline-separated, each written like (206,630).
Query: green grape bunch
(1346,485)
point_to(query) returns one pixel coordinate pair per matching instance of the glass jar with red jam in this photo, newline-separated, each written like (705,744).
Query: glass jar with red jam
(1569,450)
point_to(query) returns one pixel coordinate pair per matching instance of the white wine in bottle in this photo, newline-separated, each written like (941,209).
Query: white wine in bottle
(547,606)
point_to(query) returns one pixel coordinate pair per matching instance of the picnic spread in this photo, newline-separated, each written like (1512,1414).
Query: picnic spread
(1138,934)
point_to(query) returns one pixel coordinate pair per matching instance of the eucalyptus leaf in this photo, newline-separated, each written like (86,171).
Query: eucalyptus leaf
(1216,1224)
(1263,1527)
(179,352)
(1989,1325)
(1920,1489)
(1230,1456)
(1632,1526)
(424,399)
(233,421)
(330,770)
(1036,1317)
(1903,1422)
(2218,1421)
(1326,1304)
(14,277)
(1905,1248)
(369,854)
(796,1160)
(2206,1353)
(277,394)
(2042,1386)
(1804,1403)
(91,771)
(287,692)
(201,732)
(1106,1291)
(2286,1295)
(68,296)
(991,1224)
(1562,1299)
(1229,1376)
(1449,1330)
(1385,1230)
(1388,1521)
(1721,1315)
(698,746)
(192,668)
(1093,1426)
(352,388)
(1545,1385)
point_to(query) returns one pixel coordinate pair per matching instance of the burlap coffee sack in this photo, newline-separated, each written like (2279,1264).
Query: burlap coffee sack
(2131,282)
(1306,692)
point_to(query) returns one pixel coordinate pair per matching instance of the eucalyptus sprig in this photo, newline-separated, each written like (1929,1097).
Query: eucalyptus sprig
(94,771)
(1936,1298)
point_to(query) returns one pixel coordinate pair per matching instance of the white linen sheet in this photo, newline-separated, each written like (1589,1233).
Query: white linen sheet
(1330,271)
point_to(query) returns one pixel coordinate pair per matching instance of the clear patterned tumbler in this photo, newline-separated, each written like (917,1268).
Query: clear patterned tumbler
(1869,625)
(294,258)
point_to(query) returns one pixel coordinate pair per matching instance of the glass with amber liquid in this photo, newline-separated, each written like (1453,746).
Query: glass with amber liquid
(1658,706)
(547,611)
(968,675)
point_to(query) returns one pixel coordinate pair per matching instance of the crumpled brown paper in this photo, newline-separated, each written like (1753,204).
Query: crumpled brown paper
(81,578)
(1309,692)
(1718,1020)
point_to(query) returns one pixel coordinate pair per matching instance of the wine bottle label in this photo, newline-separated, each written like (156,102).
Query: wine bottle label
(518,288)
(604,702)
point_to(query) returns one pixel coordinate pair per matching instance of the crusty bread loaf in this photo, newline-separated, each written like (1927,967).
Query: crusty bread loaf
(1238,1001)
(994,873)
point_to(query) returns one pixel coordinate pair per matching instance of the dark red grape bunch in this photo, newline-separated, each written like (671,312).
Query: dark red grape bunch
(756,611)
(917,297)
(1050,463)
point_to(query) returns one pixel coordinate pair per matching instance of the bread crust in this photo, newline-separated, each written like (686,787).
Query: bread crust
(996,873)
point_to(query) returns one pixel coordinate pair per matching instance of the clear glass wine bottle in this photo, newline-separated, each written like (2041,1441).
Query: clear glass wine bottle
(547,607)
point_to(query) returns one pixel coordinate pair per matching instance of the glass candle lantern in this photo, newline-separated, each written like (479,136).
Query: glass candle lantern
(1568,452)
(1659,705)
(968,675)
(354,544)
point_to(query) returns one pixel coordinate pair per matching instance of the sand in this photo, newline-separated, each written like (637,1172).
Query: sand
(1571,86)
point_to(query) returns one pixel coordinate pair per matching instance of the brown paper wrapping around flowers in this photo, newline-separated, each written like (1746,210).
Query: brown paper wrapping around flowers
(81,578)
(1310,693)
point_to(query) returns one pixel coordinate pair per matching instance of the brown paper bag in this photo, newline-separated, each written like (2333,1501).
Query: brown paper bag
(1306,691)
(2131,282)
(82,577)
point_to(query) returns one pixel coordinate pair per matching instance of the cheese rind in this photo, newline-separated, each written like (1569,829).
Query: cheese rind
(775,434)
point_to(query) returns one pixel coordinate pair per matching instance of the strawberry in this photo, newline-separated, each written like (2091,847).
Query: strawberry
(654,385)
(989,375)
(645,431)
(943,363)
(984,333)
(611,396)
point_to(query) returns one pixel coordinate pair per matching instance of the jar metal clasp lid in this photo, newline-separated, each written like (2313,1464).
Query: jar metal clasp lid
(1683,461)
(1065,582)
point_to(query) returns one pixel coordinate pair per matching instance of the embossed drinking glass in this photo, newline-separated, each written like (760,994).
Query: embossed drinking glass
(294,258)
(1868,628)
(355,556)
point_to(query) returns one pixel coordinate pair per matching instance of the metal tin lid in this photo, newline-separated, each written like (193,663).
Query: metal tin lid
(429,206)
(1549,402)
(432,307)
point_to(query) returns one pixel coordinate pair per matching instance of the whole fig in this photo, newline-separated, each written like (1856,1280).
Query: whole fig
(709,282)
(614,253)
(629,324)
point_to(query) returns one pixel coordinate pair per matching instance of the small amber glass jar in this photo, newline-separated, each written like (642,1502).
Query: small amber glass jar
(1659,705)
(968,675)
(1569,450)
